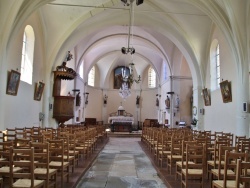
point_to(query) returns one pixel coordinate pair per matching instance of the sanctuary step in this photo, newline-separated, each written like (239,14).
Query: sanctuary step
(125,134)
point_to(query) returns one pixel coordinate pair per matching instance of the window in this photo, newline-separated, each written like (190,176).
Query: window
(217,61)
(215,65)
(27,54)
(165,73)
(81,70)
(91,77)
(151,78)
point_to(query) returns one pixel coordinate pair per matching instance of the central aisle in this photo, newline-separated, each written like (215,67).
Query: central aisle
(123,164)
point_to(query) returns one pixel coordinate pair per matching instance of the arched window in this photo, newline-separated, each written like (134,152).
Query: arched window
(165,73)
(151,78)
(27,54)
(81,70)
(215,65)
(91,77)
(217,60)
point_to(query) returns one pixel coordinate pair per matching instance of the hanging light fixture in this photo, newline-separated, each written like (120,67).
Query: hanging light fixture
(128,79)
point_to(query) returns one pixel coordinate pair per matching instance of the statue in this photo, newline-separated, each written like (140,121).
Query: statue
(137,100)
(167,102)
(105,99)
(177,102)
(157,101)
(78,99)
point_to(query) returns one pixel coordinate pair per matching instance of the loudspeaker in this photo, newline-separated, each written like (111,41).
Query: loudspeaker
(138,2)
(202,111)
(245,107)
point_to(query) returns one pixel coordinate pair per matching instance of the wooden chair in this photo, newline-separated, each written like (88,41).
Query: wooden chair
(215,155)
(66,156)
(72,148)
(37,138)
(175,153)
(57,159)
(244,145)
(182,163)
(42,170)
(5,162)
(194,171)
(242,175)
(158,145)
(165,150)
(26,177)
(82,146)
(238,139)
(9,136)
(229,178)
(219,171)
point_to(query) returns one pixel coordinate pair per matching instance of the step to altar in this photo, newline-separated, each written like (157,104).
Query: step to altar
(125,134)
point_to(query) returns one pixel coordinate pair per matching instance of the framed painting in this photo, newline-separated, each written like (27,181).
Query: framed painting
(13,83)
(118,80)
(225,88)
(206,97)
(38,91)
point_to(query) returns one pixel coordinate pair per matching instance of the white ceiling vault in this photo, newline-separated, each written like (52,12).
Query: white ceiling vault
(98,29)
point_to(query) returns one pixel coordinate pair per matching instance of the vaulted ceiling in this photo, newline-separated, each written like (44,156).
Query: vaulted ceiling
(98,29)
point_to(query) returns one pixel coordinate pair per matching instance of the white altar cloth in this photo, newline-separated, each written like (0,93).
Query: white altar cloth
(121,119)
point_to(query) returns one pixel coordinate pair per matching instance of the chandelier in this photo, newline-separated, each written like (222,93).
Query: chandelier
(128,79)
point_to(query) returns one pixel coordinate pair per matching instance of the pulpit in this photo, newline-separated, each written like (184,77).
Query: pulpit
(63,105)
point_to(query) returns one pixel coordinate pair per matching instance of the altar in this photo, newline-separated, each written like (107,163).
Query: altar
(121,121)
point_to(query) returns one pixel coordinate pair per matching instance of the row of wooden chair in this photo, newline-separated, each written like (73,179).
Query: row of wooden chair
(54,152)
(169,145)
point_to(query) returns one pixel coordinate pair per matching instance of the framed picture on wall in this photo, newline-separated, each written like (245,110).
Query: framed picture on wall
(225,88)
(206,97)
(13,83)
(38,91)
(118,80)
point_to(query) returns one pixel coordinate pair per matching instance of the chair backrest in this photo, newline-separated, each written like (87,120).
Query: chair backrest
(238,138)
(56,150)
(231,158)
(41,155)
(242,175)
(222,157)
(196,154)
(23,158)
(183,150)
(244,145)
(176,146)
(37,138)
(5,146)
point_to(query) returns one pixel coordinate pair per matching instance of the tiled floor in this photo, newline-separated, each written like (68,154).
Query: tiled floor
(122,163)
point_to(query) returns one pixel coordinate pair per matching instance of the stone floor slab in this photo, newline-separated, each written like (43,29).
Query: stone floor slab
(123,164)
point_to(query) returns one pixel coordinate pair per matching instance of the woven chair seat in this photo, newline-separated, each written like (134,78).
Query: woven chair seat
(230,183)
(27,183)
(193,171)
(41,171)
(179,163)
(216,172)
(6,169)
(57,163)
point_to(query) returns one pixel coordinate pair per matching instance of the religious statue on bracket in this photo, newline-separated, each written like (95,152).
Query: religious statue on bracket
(157,100)
(78,99)
(105,99)
(167,102)
(137,100)
(177,102)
